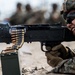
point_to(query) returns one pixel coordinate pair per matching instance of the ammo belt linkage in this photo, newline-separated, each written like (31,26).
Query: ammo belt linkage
(17,37)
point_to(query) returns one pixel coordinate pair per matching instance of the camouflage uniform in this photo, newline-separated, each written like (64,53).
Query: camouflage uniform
(55,16)
(17,18)
(67,67)
(60,19)
(37,17)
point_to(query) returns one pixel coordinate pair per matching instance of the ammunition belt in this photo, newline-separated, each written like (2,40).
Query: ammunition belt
(17,37)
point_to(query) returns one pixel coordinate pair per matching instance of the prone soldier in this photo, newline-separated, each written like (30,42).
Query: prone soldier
(60,57)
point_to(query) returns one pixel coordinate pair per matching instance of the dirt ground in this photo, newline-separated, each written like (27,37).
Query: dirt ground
(32,59)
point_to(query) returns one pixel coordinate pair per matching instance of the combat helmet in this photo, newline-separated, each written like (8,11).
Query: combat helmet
(70,5)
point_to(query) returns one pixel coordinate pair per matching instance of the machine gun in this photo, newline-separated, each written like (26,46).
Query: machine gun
(18,34)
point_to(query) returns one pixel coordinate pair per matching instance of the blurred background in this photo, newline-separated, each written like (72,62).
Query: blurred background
(31,12)
(8,7)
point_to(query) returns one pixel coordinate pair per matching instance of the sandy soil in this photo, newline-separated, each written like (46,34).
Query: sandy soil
(32,59)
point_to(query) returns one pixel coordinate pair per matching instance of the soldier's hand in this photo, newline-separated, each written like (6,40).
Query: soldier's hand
(53,60)
(56,55)
(61,50)
(58,50)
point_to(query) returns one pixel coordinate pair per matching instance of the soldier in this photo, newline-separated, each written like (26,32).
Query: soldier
(55,16)
(60,57)
(38,17)
(28,13)
(18,16)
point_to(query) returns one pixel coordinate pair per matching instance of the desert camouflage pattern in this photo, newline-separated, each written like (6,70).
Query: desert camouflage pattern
(70,4)
(66,67)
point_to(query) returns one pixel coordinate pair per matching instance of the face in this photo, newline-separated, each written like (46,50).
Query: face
(72,26)
(73,22)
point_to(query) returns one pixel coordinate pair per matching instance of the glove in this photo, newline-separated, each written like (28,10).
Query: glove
(58,50)
(56,55)
(53,60)
(63,51)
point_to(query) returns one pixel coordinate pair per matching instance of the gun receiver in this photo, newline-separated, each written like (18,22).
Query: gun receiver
(18,34)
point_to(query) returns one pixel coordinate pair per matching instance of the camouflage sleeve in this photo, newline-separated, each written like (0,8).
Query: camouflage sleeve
(65,67)
(70,53)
